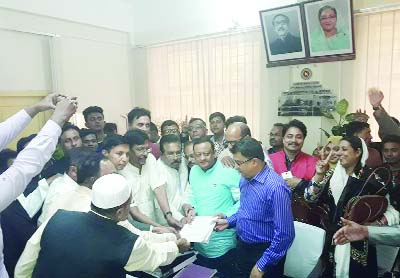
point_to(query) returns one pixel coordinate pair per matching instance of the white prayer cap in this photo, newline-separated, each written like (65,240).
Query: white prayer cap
(110,191)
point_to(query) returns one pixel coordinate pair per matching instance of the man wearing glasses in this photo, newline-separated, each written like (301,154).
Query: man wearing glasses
(197,128)
(234,133)
(264,221)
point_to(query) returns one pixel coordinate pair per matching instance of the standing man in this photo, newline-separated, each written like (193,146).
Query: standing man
(276,138)
(189,155)
(217,124)
(391,156)
(264,221)
(89,138)
(297,168)
(148,186)
(31,160)
(169,127)
(173,168)
(94,119)
(197,128)
(234,133)
(363,131)
(215,188)
(140,118)
(286,42)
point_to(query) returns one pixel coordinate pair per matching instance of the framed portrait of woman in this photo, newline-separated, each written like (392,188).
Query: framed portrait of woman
(329,25)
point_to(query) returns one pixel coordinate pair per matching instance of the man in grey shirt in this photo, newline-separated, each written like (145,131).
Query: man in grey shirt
(352,231)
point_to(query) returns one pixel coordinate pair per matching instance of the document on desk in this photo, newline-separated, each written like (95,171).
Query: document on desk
(199,230)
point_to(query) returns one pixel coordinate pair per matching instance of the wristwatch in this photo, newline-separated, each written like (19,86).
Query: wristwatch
(167,213)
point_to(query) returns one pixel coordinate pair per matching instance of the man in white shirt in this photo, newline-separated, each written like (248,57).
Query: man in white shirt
(173,168)
(32,159)
(148,186)
(67,182)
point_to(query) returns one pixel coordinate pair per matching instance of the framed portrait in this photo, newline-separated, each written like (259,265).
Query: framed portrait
(330,31)
(283,33)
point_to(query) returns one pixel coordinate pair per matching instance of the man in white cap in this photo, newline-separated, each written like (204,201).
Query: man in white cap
(94,244)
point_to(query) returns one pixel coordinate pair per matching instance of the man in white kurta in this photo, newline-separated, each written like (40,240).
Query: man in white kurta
(150,250)
(173,168)
(148,186)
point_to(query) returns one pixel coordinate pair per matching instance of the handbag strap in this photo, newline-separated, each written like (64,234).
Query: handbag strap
(372,174)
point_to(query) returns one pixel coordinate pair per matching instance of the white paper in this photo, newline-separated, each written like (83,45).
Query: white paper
(199,230)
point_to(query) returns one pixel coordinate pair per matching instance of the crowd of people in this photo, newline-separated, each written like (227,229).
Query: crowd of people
(93,203)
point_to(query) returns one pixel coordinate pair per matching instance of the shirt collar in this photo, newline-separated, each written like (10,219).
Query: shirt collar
(262,175)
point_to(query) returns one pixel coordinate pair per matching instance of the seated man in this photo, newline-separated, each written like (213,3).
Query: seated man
(214,189)
(171,166)
(83,248)
(147,185)
(296,167)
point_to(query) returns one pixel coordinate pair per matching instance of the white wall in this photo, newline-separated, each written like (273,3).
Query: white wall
(92,63)
(113,14)
(158,21)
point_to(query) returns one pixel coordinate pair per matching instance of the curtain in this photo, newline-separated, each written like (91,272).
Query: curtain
(378,61)
(198,77)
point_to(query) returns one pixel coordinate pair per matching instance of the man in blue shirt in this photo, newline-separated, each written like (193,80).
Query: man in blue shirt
(264,221)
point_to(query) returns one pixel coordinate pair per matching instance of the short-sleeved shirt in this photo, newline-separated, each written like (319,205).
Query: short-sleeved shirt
(143,182)
(215,190)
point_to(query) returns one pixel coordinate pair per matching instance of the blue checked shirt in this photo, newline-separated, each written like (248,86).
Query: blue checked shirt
(265,215)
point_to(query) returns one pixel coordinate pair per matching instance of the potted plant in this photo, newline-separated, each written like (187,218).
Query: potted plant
(342,119)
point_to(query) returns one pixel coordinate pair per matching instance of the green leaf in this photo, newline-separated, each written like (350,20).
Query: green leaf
(327,114)
(341,107)
(338,130)
(350,117)
(325,132)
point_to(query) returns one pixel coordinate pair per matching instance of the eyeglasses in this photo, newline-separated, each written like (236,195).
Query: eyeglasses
(171,131)
(196,128)
(239,163)
(327,17)
(232,143)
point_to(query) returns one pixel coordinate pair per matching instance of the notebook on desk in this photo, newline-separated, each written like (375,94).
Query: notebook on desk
(168,271)
(196,271)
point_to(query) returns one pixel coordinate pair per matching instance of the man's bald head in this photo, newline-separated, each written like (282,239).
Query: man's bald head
(236,132)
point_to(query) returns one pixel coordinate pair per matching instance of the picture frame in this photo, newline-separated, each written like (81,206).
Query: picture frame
(283,33)
(330,29)
(311,32)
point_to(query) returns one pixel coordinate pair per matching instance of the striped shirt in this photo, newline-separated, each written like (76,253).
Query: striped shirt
(265,215)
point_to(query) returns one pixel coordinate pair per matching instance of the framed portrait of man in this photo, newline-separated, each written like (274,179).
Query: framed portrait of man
(330,30)
(283,34)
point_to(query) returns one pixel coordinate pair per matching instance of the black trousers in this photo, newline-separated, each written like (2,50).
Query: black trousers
(225,264)
(247,256)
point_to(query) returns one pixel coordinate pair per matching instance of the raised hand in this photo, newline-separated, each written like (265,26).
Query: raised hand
(322,165)
(185,125)
(375,97)
(64,109)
